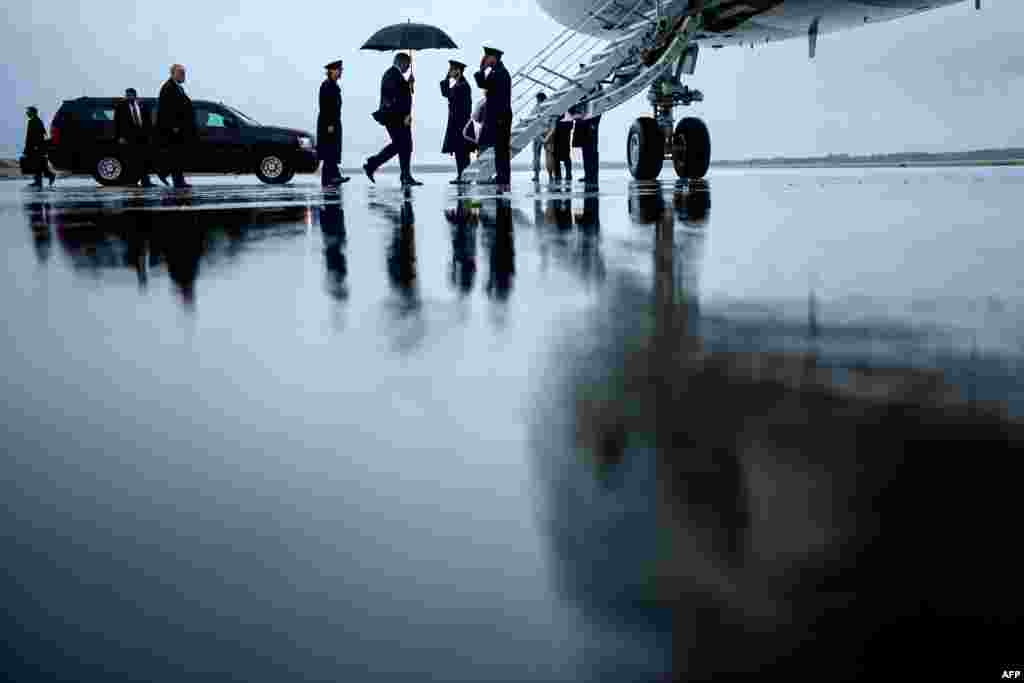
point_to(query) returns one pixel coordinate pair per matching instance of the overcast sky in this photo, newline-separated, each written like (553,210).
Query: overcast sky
(951,79)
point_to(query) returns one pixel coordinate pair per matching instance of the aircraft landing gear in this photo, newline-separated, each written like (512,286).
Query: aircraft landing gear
(653,139)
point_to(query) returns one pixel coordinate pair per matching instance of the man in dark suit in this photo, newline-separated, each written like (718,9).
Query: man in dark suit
(495,79)
(328,127)
(176,125)
(395,114)
(585,136)
(35,148)
(460,106)
(133,129)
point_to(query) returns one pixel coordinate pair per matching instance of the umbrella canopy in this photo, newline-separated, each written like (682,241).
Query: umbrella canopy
(409,36)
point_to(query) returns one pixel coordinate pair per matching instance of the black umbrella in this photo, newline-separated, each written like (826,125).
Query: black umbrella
(409,36)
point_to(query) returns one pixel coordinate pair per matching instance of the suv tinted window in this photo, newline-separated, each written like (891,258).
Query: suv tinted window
(101,114)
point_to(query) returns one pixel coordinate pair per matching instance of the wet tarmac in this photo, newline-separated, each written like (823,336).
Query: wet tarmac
(767,423)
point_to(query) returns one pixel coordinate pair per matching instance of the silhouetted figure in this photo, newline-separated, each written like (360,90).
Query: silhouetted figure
(133,128)
(463,266)
(538,142)
(585,137)
(563,148)
(36,157)
(494,78)
(328,127)
(395,114)
(332,225)
(455,88)
(176,126)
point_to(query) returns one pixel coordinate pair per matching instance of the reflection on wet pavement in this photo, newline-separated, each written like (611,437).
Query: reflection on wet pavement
(276,433)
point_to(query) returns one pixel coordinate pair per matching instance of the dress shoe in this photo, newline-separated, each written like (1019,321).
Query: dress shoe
(368,172)
(181,186)
(146,182)
(37,186)
(163,178)
(344,179)
(410,181)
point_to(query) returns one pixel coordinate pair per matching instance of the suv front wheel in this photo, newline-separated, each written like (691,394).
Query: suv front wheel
(110,169)
(273,169)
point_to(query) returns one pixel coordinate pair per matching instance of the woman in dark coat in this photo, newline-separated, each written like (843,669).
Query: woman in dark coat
(460,105)
(35,148)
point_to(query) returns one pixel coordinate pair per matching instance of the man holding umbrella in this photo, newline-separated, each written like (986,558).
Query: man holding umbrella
(328,127)
(460,106)
(495,79)
(395,114)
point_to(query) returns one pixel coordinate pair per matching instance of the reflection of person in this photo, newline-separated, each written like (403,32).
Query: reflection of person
(500,243)
(495,79)
(35,149)
(176,125)
(133,128)
(402,257)
(463,265)
(395,114)
(39,224)
(332,224)
(456,90)
(328,127)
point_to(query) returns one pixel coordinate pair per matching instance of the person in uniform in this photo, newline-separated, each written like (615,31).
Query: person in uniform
(35,148)
(133,128)
(395,114)
(328,127)
(176,125)
(495,79)
(456,90)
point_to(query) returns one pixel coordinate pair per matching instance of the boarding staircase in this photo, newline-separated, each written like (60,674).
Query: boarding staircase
(646,45)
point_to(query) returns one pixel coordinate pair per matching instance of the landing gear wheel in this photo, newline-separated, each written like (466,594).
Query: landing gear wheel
(273,170)
(691,149)
(110,169)
(645,149)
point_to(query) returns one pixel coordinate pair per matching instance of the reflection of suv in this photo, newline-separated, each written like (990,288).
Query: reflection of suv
(82,141)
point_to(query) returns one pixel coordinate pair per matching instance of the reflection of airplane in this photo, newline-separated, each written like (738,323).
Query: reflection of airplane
(777,512)
(629,46)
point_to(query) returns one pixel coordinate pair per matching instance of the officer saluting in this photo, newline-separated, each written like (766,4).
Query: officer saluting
(495,79)
(328,127)
(460,106)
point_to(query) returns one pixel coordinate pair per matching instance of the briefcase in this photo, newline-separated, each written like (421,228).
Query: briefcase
(30,165)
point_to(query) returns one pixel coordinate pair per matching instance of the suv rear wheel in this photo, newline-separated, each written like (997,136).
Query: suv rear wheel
(110,169)
(273,170)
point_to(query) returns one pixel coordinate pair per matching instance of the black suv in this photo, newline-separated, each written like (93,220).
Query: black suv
(82,141)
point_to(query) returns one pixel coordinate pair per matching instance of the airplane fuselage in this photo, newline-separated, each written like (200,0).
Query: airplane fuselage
(744,21)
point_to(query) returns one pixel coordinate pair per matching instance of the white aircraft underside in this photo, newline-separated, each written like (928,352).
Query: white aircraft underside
(640,54)
(747,21)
